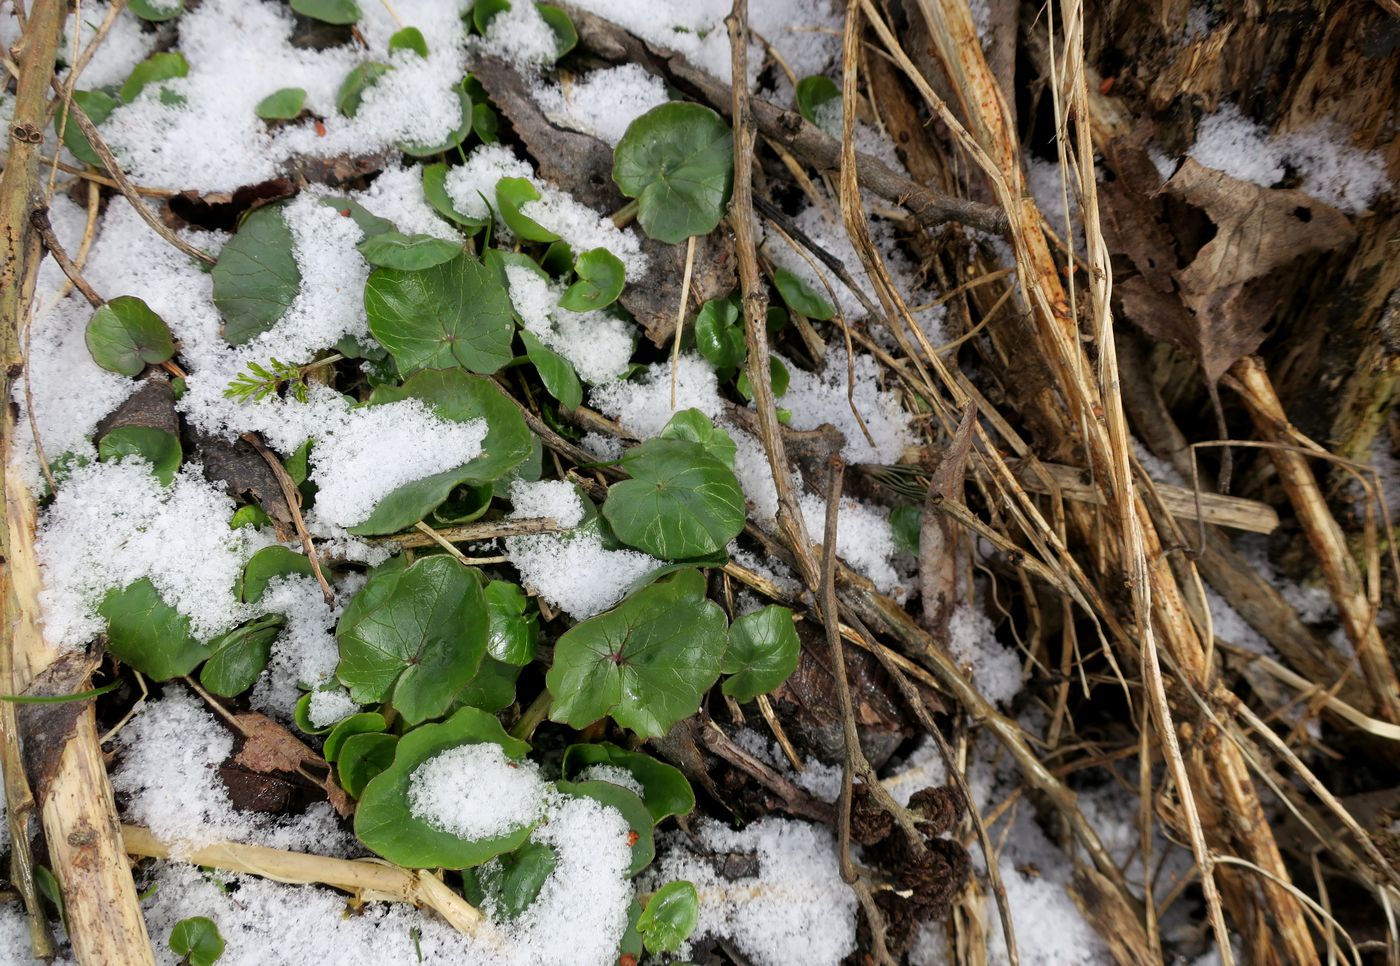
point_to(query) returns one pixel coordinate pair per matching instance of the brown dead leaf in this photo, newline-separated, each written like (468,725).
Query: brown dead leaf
(268,748)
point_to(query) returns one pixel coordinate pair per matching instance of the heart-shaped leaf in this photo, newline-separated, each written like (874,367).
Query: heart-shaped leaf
(677,160)
(361,758)
(147,633)
(125,336)
(460,397)
(413,636)
(646,663)
(671,915)
(281,105)
(719,335)
(240,656)
(665,790)
(511,193)
(411,253)
(386,824)
(155,446)
(513,634)
(409,38)
(153,70)
(556,372)
(256,278)
(492,689)
(328,11)
(695,426)
(682,501)
(197,941)
(600,279)
(98,106)
(453,314)
(763,651)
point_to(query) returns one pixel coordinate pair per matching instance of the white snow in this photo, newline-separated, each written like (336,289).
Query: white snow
(996,670)
(596,344)
(329,707)
(476,792)
(602,102)
(815,398)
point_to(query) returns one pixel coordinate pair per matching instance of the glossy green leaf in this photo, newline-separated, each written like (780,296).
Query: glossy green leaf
(153,70)
(646,663)
(410,253)
(157,10)
(98,106)
(484,10)
(413,636)
(360,79)
(363,723)
(240,656)
(600,279)
(631,944)
(301,715)
(671,915)
(557,259)
(813,92)
(148,634)
(435,191)
(777,374)
(565,36)
(514,880)
(250,516)
(281,105)
(463,505)
(454,137)
(665,790)
(514,632)
(125,336)
(556,372)
(267,564)
(384,821)
(677,161)
(511,193)
(409,38)
(801,297)
(719,334)
(328,11)
(256,278)
(456,396)
(361,758)
(197,941)
(155,446)
(763,651)
(492,689)
(695,426)
(632,809)
(681,502)
(453,314)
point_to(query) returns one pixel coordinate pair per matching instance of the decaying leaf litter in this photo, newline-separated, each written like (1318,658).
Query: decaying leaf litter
(431,420)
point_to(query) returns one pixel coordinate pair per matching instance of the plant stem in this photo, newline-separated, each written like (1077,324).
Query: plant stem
(534,714)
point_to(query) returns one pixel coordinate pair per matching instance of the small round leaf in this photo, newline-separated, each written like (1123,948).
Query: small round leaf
(125,336)
(671,915)
(763,651)
(281,105)
(600,279)
(677,161)
(155,446)
(197,941)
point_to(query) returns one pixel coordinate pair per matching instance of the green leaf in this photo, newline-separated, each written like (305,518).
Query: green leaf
(147,633)
(98,106)
(682,500)
(557,259)
(153,70)
(665,790)
(600,274)
(301,714)
(565,36)
(631,944)
(250,516)
(240,656)
(281,105)
(671,915)
(256,278)
(454,138)
(646,663)
(385,823)
(197,941)
(463,505)
(763,651)
(453,314)
(125,336)
(362,723)
(156,12)
(409,38)
(328,11)
(906,521)
(155,446)
(414,637)
(456,396)
(360,79)
(556,372)
(719,334)
(511,193)
(513,633)
(48,885)
(800,297)
(361,758)
(484,10)
(493,688)
(632,809)
(409,253)
(695,426)
(266,564)
(514,880)
(677,161)
(813,92)
(777,374)
(369,223)
(435,191)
